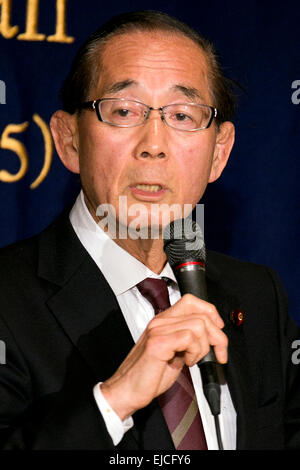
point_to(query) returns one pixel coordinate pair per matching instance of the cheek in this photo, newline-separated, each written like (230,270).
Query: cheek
(194,170)
(101,157)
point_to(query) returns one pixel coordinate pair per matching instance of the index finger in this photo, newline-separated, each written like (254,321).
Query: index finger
(189,304)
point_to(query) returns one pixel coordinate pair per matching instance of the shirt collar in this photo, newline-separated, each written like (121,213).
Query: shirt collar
(121,270)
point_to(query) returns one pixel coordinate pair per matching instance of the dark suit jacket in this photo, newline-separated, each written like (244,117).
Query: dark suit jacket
(64,332)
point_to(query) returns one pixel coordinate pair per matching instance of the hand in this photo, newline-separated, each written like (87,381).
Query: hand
(180,335)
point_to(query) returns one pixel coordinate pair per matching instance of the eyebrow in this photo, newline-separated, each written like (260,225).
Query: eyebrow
(119,86)
(190,92)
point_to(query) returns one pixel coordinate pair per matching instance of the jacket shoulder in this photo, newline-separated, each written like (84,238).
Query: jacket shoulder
(236,269)
(22,257)
(255,281)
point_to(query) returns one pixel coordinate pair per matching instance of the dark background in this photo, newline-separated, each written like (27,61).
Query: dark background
(252,212)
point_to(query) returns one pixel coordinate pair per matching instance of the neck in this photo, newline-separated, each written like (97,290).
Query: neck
(148,251)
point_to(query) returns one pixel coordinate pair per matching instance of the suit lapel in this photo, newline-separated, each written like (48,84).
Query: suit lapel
(84,304)
(237,369)
(89,313)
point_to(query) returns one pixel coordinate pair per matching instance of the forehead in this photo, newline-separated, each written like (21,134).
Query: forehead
(153,60)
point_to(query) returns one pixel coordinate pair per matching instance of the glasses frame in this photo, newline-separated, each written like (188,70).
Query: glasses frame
(94,106)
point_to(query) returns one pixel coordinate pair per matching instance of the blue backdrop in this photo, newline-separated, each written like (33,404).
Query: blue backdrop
(252,212)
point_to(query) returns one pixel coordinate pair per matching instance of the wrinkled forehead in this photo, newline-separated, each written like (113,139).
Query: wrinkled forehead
(141,54)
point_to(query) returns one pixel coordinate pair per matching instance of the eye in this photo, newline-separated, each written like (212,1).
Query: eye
(181,117)
(122,112)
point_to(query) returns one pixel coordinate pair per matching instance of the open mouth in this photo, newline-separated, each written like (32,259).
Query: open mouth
(148,191)
(152,188)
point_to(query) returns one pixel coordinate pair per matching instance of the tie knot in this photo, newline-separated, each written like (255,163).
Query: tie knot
(156,292)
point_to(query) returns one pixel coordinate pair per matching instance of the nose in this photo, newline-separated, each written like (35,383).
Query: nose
(152,141)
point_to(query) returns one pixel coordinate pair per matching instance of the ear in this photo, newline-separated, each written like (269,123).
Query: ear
(224,144)
(64,132)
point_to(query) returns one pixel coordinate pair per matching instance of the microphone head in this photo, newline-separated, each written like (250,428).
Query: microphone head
(184,241)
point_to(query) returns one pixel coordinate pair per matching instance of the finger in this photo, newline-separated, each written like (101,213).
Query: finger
(203,332)
(164,347)
(191,304)
(199,325)
(221,352)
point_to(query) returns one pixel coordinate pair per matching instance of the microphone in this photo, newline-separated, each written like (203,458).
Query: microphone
(186,254)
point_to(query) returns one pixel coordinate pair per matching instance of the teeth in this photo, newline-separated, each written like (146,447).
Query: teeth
(147,187)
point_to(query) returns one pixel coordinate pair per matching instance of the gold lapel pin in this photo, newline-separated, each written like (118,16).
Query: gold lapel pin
(237,317)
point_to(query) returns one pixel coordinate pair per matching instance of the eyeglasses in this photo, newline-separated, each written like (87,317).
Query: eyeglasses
(121,112)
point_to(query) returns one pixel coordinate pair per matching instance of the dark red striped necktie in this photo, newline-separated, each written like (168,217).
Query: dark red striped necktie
(178,403)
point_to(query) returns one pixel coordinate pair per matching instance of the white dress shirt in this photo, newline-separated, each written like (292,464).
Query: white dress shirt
(122,272)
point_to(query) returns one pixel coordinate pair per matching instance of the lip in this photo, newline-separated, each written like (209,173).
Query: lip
(148,195)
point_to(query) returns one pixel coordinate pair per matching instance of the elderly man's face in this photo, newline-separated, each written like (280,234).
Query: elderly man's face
(150,163)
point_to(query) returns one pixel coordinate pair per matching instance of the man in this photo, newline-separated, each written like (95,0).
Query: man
(146,118)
